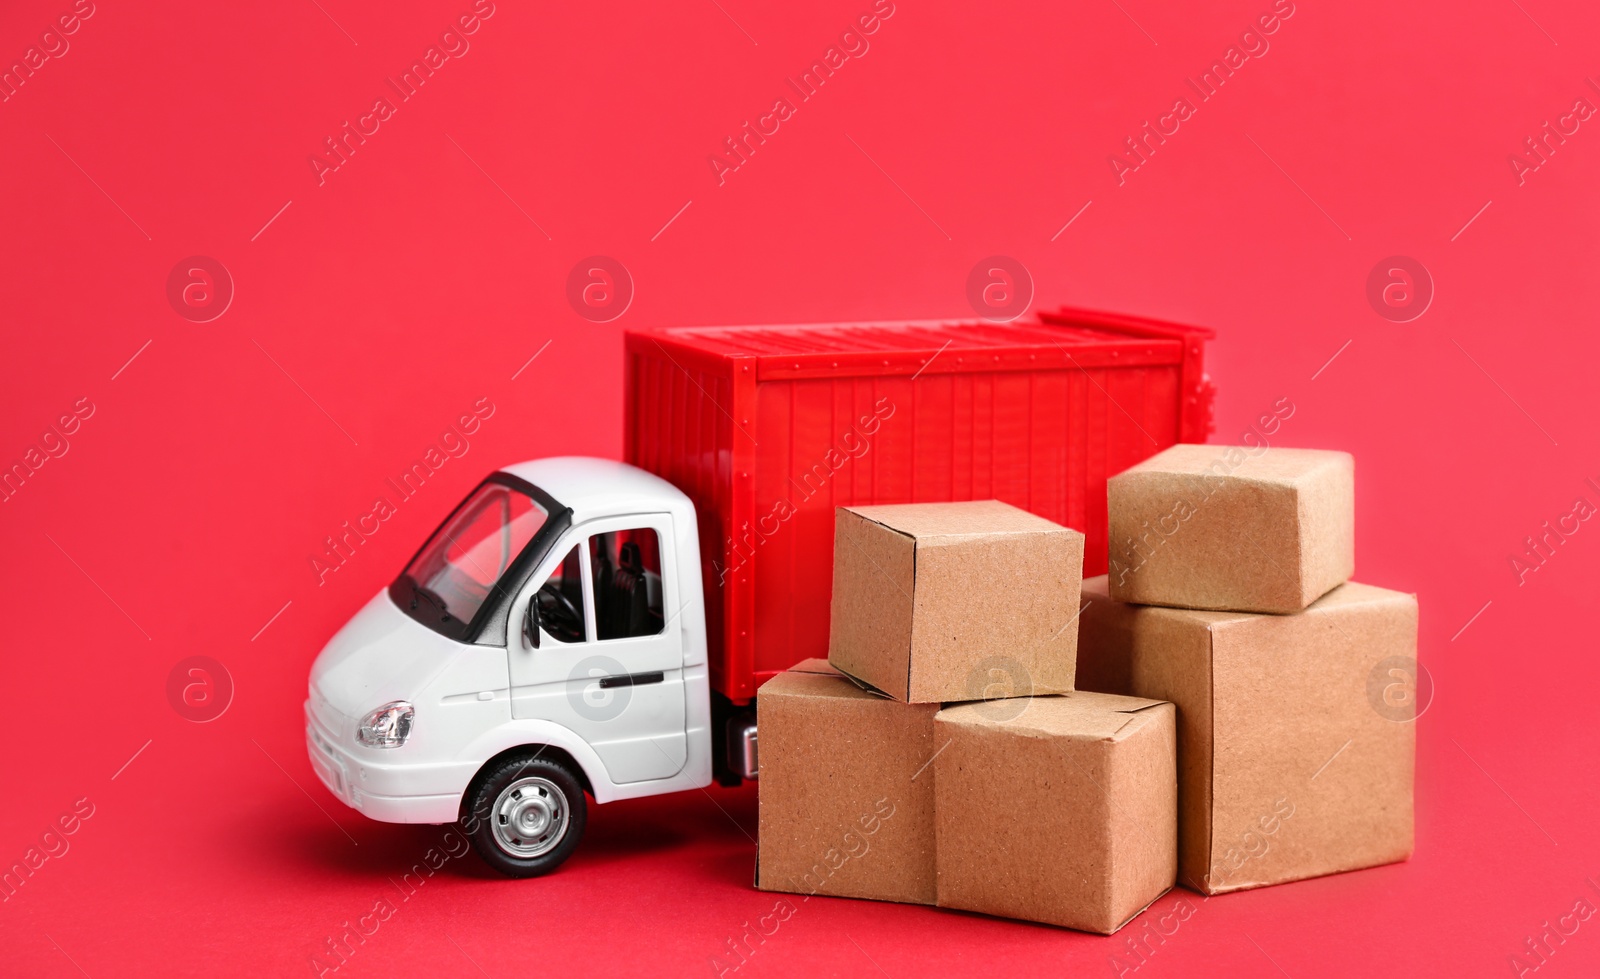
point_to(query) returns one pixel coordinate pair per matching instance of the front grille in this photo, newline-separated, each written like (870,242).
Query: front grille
(326,763)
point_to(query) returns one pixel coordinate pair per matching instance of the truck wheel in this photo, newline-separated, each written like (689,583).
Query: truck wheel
(526,815)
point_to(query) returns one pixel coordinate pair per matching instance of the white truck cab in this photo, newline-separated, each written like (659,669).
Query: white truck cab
(548,639)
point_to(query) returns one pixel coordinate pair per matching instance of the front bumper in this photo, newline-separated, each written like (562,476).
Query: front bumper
(372,789)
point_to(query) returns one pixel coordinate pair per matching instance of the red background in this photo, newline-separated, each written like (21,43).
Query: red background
(414,281)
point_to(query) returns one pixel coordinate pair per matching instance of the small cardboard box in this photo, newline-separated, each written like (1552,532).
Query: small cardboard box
(1232,528)
(1057,809)
(1296,740)
(954,601)
(846,806)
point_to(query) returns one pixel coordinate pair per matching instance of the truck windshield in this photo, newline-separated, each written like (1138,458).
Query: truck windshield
(449,581)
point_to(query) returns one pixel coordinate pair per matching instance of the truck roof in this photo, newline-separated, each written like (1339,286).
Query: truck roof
(1077,337)
(601,487)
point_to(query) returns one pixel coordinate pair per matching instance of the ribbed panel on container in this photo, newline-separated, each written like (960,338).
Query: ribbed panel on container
(769,429)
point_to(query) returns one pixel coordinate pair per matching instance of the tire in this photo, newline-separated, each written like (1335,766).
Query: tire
(525,814)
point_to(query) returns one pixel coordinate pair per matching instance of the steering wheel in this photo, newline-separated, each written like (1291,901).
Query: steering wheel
(559,609)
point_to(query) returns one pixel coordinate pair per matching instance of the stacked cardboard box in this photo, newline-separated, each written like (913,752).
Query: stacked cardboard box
(1025,798)
(994,734)
(846,804)
(1229,596)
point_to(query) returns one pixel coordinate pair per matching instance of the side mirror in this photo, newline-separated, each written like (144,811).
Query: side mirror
(530,623)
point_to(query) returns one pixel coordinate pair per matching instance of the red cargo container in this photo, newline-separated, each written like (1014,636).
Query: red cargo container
(769,428)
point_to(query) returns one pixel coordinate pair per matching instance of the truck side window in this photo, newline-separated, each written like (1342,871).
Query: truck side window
(627,583)
(560,600)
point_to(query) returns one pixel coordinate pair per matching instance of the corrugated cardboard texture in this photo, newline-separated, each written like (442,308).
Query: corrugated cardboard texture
(954,601)
(1287,769)
(846,803)
(1064,813)
(1181,674)
(1232,528)
(874,573)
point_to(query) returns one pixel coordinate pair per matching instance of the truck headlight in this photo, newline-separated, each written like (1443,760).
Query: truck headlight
(387,727)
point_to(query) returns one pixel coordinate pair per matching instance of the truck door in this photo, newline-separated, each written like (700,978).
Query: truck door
(609,664)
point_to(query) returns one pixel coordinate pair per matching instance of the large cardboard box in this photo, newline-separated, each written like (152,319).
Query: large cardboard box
(1057,809)
(1295,747)
(1232,528)
(846,805)
(954,601)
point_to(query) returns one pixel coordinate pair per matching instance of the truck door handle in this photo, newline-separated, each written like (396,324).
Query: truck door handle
(631,680)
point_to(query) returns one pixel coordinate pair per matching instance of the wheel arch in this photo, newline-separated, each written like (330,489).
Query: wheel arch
(553,752)
(549,740)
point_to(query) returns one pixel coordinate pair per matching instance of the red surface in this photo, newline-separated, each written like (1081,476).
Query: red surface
(768,429)
(187,508)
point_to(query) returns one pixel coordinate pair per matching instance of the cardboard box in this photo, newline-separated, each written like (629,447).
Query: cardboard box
(1295,745)
(1232,528)
(954,601)
(1057,809)
(846,805)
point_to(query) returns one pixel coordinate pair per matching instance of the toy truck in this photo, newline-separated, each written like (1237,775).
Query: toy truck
(582,626)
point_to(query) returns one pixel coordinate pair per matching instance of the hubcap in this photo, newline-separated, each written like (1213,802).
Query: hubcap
(530,817)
